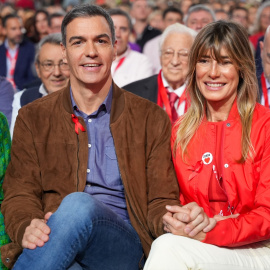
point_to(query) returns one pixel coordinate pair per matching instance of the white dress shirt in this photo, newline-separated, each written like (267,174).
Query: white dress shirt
(136,66)
(16,105)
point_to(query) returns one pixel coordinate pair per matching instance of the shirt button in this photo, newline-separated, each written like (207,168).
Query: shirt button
(88,185)
(89,145)
(89,120)
(88,170)
(228,124)
(226,165)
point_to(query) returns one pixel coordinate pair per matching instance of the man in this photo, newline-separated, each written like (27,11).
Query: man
(198,16)
(55,21)
(170,16)
(16,54)
(221,14)
(264,77)
(52,71)
(129,65)
(140,10)
(240,15)
(169,84)
(95,156)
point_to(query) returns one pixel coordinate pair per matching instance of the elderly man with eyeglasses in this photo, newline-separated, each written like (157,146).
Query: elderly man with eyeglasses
(167,89)
(52,71)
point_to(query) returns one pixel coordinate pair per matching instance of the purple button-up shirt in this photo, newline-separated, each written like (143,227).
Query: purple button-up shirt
(103,179)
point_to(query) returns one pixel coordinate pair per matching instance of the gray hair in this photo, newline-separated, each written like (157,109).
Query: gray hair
(197,8)
(55,38)
(176,28)
(86,11)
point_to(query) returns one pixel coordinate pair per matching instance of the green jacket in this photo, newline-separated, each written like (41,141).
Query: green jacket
(4,160)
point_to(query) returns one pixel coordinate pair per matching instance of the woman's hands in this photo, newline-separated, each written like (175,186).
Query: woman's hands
(189,220)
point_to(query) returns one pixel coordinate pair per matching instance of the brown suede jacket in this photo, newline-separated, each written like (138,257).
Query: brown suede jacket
(49,161)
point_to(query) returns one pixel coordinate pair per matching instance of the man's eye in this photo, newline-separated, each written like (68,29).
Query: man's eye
(77,42)
(101,41)
(48,65)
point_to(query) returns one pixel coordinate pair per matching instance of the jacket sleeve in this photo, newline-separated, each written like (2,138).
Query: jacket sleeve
(22,183)
(161,176)
(254,225)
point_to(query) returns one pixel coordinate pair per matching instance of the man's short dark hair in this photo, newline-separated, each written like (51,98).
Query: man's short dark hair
(120,12)
(55,15)
(10,16)
(174,10)
(84,11)
(238,8)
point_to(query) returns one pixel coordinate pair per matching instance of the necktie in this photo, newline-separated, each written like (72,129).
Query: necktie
(172,99)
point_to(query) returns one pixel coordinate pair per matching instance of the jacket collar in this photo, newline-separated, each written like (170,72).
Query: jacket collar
(118,102)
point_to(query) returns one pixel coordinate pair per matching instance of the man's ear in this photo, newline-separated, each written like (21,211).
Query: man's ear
(114,50)
(37,69)
(4,31)
(64,53)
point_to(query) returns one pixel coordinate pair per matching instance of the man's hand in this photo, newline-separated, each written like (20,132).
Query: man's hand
(189,220)
(37,233)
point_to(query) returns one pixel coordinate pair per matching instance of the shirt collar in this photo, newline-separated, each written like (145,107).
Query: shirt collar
(267,83)
(179,91)
(8,48)
(125,54)
(42,90)
(105,106)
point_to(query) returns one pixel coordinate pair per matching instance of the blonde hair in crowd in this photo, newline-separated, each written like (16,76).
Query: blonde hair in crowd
(212,38)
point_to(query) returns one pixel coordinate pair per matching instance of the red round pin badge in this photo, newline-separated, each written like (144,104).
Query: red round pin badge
(207,158)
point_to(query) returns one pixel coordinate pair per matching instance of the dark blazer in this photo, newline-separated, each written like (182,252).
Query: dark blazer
(146,88)
(23,69)
(30,95)
(259,67)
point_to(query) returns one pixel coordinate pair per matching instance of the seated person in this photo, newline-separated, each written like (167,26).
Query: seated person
(221,152)
(168,88)
(86,187)
(52,71)
(129,65)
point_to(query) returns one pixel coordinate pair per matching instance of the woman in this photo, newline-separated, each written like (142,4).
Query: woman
(4,160)
(221,153)
(261,23)
(41,25)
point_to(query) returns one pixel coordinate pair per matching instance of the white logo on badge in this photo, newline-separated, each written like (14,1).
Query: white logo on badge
(207,158)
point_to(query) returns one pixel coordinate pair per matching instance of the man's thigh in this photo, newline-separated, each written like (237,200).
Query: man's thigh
(85,231)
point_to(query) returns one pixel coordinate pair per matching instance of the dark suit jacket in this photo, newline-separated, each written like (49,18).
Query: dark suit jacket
(23,69)
(30,95)
(146,88)
(259,67)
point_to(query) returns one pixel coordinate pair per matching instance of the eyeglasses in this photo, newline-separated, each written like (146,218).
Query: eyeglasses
(48,66)
(182,54)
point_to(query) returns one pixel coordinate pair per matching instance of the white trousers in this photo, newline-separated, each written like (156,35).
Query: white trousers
(172,252)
